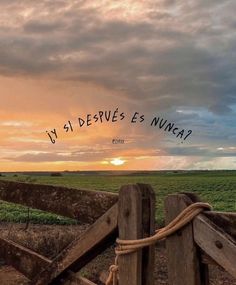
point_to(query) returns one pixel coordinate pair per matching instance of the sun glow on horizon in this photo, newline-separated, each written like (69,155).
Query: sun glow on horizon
(118,161)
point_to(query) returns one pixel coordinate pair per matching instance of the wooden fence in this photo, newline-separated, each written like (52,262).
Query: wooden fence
(209,239)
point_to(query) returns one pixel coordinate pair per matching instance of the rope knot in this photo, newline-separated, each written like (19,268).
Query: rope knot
(113,273)
(129,246)
(113,268)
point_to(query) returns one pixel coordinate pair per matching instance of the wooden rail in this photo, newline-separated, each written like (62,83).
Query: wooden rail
(216,243)
(23,259)
(84,205)
(209,239)
(82,250)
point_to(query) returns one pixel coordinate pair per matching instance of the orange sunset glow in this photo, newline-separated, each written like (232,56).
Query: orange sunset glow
(65,60)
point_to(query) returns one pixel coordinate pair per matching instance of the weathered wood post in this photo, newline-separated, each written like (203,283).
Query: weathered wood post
(136,219)
(184,266)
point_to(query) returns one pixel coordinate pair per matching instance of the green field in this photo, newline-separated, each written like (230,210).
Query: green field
(216,187)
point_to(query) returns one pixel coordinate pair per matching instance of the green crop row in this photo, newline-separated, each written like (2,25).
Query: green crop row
(216,187)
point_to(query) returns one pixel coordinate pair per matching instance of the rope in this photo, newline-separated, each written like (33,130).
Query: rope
(129,246)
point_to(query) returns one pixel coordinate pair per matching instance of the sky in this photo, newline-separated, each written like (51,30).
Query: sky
(166,59)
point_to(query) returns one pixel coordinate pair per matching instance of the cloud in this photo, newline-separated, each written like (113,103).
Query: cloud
(174,55)
(201,151)
(59,59)
(35,27)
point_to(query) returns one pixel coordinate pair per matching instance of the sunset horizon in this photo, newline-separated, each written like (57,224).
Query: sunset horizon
(58,72)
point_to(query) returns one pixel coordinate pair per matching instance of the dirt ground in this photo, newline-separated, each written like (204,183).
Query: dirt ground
(50,240)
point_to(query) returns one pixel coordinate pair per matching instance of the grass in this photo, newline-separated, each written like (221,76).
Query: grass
(216,187)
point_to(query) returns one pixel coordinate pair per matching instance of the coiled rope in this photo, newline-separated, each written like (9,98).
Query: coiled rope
(128,246)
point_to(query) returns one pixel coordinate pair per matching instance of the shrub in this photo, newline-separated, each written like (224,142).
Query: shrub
(56,174)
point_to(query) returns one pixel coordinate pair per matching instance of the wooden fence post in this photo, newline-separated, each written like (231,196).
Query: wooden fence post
(183,258)
(136,219)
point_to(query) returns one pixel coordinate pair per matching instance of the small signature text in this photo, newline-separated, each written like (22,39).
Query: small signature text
(118,141)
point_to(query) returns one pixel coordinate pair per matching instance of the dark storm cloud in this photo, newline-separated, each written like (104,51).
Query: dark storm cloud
(184,53)
(200,151)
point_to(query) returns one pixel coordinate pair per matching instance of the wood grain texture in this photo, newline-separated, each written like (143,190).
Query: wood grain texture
(136,220)
(22,259)
(226,221)
(130,227)
(216,243)
(183,262)
(84,205)
(82,250)
(148,225)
